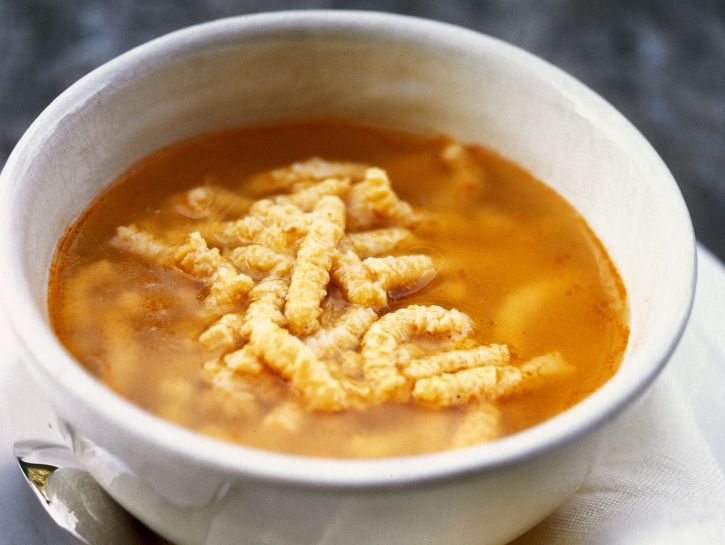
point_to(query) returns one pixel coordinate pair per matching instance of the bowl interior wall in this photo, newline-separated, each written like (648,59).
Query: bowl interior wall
(478,92)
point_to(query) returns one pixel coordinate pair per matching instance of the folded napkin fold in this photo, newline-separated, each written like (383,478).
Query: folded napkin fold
(662,480)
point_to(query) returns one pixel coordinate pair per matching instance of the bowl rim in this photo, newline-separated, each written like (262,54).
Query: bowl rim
(40,346)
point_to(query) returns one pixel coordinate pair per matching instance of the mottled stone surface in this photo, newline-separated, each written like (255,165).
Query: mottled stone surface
(662,63)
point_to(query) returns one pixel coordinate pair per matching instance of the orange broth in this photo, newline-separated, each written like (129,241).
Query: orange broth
(517,258)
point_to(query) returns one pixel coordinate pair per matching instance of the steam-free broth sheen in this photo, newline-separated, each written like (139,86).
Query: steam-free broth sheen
(132,299)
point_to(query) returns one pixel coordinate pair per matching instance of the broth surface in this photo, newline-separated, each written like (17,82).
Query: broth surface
(512,254)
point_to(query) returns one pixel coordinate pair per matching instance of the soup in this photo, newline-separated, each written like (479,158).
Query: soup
(332,289)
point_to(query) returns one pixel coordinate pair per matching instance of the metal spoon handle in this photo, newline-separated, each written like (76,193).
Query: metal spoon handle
(71,496)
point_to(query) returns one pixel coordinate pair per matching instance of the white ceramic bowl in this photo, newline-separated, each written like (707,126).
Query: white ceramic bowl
(390,70)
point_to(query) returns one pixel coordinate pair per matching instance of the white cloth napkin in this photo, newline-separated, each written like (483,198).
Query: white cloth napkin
(662,480)
(660,483)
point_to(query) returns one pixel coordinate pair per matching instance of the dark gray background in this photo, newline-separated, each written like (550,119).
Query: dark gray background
(662,63)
